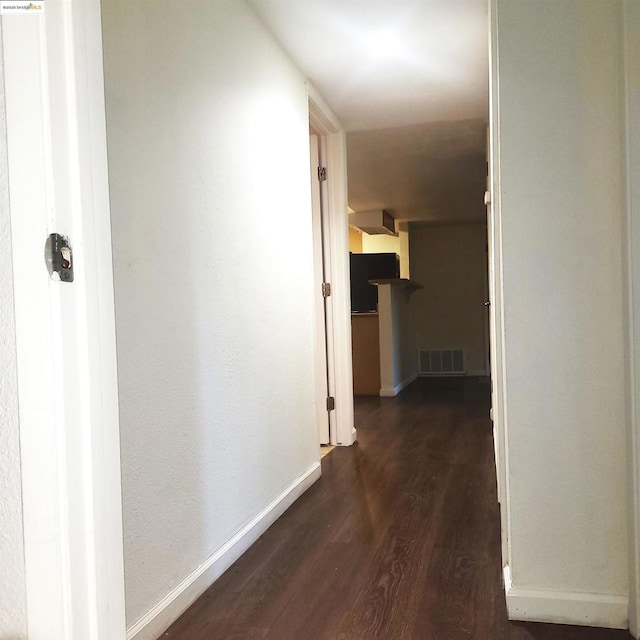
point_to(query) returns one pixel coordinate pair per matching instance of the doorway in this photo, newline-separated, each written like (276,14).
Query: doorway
(334,395)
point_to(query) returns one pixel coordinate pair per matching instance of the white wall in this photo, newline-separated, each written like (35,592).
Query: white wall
(13,618)
(450,262)
(561,218)
(208,156)
(398,354)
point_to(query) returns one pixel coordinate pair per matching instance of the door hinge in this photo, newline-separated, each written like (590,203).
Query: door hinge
(326,289)
(331,403)
(322,174)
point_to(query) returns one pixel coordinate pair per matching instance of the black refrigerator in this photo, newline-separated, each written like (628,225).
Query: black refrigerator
(370,266)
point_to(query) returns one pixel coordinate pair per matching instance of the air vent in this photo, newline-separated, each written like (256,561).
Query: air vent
(442,362)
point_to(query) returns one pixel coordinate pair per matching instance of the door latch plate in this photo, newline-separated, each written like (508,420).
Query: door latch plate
(59,258)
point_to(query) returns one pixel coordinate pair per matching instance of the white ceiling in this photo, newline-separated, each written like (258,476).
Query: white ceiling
(409,80)
(430,172)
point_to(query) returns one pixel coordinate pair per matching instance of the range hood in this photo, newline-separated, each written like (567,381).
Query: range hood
(374,222)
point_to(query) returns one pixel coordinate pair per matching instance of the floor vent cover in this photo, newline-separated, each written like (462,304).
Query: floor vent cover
(442,361)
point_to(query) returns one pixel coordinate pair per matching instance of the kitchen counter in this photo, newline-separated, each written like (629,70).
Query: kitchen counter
(365,345)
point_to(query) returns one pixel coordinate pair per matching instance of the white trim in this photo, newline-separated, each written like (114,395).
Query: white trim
(496,309)
(391,392)
(45,582)
(340,286)
(337,237)
(65,333)
(454,374)
(563,607)
(152,624)
(321,116)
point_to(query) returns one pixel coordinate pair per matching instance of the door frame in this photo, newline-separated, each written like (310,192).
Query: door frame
(65,332)
(496,308)
(336,226)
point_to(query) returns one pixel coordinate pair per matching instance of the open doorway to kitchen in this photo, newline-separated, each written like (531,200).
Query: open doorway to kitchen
(427,316)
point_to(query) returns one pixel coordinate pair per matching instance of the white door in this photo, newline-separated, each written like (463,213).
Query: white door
(492,341)
(325,414)
(65,327)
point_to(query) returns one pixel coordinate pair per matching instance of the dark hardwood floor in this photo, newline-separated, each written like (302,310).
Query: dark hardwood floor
(399,540)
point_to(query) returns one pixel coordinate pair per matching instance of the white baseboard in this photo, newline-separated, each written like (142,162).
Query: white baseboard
(152,624)
(353,437)
(391,392)
(564,607)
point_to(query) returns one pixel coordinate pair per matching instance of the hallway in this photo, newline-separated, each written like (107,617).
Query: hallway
(399,539)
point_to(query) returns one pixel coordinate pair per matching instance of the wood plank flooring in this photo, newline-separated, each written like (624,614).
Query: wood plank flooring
(399,540)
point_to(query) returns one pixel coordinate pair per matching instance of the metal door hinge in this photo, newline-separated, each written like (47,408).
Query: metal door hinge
(331,403)
(326,289)
(322,174)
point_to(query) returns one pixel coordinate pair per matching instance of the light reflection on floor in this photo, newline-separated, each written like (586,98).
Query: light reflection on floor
(325,449)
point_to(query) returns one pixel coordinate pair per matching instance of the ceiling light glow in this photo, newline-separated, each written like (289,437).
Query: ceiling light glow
(382,44)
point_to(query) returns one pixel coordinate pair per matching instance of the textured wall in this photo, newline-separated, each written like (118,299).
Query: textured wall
(208,138)
(12,585)
(450,262)
(560,66)
(632,49)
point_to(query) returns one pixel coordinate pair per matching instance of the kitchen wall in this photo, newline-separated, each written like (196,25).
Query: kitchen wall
(450,262)
(380,243)
(13,617)
(559,117)
(208,154)
(355,240)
